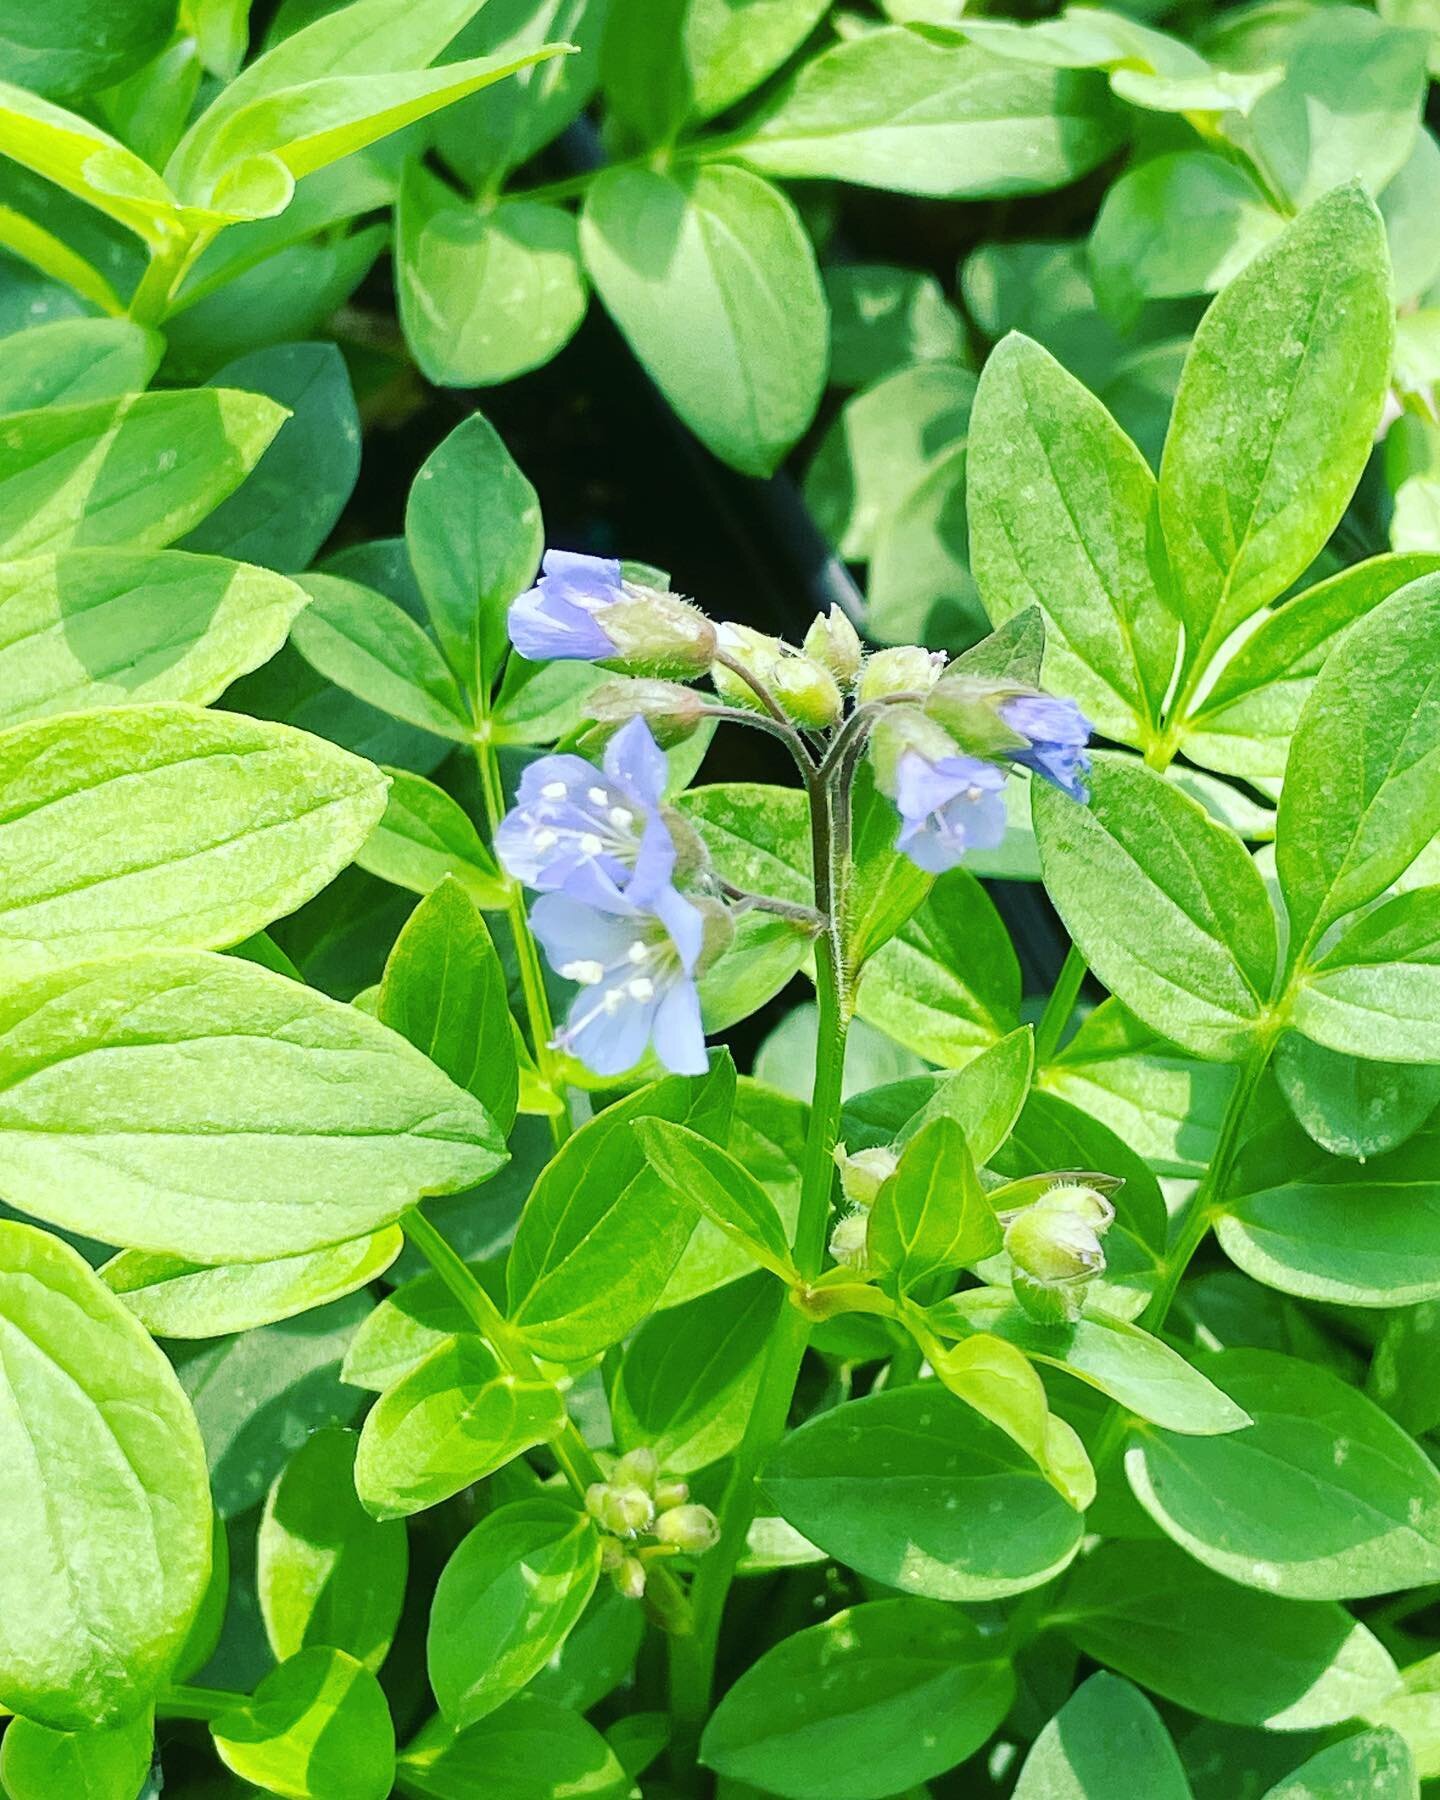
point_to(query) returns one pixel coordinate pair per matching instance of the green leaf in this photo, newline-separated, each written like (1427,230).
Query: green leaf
(404,1328)
(449,1423)
(201,1105)
(931,1215)
(58,51)
(1377,991)
(1326,1228)
(1165,904)
(714,257)
(599,1237)
(327,1573)
(882,319)
(425,836)
(701,1174)
(1149,1612)
(1105,1726)
(373,649)
(689,1378)
(912,1488)
(506,1600)
(532,1749)
(173,1298)
(37,1763)
(444,988)
(1070,535)
(1322,1497)
(1374,1765)
(877,1698)
(107,1504)
(485,295)
(139,471)
(1275,415)
(894,109)
(1411,1712)
(473,529)
(984,1098)
(539,702)
(1362,800)
(72,362)
(884,887)
(948,983)
(1133,1368)
(920,586)
(316,1728)
(92,628)
(166,824)
(1247,720)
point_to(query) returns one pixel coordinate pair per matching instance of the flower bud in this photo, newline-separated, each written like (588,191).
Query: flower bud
(847,1239)
(970,711)
(754,651)
(671,1493)
(629,1578)
(671,710)
(863,1173)
(835,644)
(804,688)
(692,1528)
(906,669)
(621,1510)
(1056,1249)
(637,1468)
(657,634)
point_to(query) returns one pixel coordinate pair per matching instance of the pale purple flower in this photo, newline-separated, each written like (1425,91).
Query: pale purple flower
(560,619)
(597,835)
(947,807)
(1058,732)
(635,970)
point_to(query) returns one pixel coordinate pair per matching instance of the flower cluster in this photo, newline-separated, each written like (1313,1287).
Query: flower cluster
(636,1502)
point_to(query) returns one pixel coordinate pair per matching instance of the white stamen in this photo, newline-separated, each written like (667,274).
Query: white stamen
(598,796)
(641,988)
(586,972)
(613,1001)
(590,844)
(637,951)
(553,790)
(546,839)
(621,817)
(973,792)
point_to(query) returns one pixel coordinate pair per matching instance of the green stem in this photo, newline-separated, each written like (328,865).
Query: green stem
(532,978)
(151,299)
(185,1702)
(1060,1006)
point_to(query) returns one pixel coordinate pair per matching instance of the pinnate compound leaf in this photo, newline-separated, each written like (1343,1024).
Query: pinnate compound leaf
(1152,1613)
(505,1602)
(317,1728)
(1104,1726)
(327,1572)
(877,1698)
(164,824)
(203,1106)
(911,1488)
(106,1498)
(450,1422)
(1165,903)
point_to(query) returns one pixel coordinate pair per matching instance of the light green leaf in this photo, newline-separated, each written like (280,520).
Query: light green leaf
(1061,516)
(397,1335)
(106,1501)
(425,836)
(328,1573)
(449,1423)
(1377,991)
(201,1105)
(138,471)
(507,1599)
(1350,1105)
(484,295)
(173,1298)
(931,1216)
(91,628)
(920,587)
(914,1489)
(984,1098)
(1147,1610)
(317,1728)
(894,109)
(1322,1497)
(473,530)
(1166,905)
(166,824)
(712,279)
(1275,414)
(882,319)
(73,362)
(698,1173)
(532,1749)
(373,649)
(1104,1726)
(1413,1713)
(1375,1765)
(37,1763)
(879,1697)
(884,887)
(1362,798)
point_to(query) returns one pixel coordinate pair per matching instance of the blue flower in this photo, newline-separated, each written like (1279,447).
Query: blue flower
(635,968)
(559,620)
(1057,733)
(597,835)
(947,806)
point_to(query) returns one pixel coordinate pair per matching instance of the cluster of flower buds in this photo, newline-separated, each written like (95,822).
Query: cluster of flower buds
(862,1175)
(1054,1245)
(636,1503)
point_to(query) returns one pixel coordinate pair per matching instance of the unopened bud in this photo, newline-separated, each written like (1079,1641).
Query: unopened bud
(969,709)
(754,651)
(835,644)
(906,669)
(636,1468)
(692,1528)
(612,1554)
(621,1510)
(863,1173)
(847,1239)
(671,710)
(629,1578)
(1056,1249)
(808,692)
(658,634)
(671,1493)
(803,687)
(719,932)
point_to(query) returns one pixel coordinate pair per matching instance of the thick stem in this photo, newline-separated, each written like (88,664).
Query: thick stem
(168,261)
(1059,1007)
